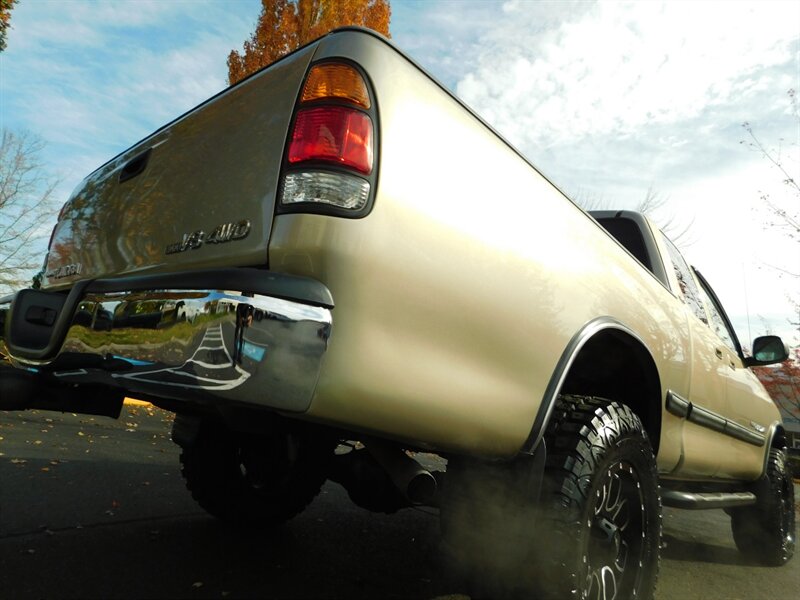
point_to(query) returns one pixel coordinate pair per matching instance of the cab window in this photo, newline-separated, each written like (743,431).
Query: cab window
(717,323)
(689,291)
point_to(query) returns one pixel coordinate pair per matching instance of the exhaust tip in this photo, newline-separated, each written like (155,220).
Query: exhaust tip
(421,488)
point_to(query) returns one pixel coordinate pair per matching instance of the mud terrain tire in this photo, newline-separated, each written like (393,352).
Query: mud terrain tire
(765,532)
(254,480)
(601,503)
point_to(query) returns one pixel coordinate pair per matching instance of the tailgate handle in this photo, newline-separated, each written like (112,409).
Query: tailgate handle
(134,166)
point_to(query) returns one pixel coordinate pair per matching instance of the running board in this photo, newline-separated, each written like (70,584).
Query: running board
(699,501)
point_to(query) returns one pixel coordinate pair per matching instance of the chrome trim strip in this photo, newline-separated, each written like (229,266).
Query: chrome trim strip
(197,345)
(706,500)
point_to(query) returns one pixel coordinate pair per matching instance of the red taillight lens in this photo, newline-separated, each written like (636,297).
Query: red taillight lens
(333,134)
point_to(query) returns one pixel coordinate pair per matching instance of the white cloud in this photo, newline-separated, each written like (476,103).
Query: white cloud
(617,67)
(92,78)
(441,36)
(609,99)
(83,24)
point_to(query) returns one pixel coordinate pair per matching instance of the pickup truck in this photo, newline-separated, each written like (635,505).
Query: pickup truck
(334,269)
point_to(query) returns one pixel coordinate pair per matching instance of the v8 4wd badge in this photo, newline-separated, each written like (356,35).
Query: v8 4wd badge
(227,232)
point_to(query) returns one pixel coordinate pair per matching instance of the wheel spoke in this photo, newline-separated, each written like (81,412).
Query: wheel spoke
(615,543)
(602,584)
(602,489)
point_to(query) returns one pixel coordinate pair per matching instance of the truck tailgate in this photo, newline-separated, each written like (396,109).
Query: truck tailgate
(197,192)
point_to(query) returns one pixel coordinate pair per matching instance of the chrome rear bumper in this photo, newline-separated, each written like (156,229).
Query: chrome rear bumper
(204,345)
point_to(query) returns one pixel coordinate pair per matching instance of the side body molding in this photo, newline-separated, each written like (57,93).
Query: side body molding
(680,407)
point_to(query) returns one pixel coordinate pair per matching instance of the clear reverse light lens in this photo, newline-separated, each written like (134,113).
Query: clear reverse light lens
(337,189)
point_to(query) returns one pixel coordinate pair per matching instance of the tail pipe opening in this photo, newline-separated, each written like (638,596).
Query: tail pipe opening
(413,480)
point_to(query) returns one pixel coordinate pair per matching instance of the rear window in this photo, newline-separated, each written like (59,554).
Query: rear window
(629,235)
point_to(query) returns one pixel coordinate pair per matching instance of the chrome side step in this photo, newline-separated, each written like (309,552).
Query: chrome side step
(698,501)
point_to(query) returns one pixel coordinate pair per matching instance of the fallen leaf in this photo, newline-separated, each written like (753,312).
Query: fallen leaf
(18,461)
(197,584)
(45,469)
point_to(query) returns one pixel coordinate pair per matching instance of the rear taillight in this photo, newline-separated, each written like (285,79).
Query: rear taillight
(336,80)
(330,154)
(333,134)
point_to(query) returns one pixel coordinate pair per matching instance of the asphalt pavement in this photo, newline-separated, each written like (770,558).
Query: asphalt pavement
(92,507)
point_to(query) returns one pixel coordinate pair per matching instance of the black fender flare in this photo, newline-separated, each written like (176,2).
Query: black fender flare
(568,356)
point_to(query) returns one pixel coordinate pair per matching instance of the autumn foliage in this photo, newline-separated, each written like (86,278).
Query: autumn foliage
(285,25)
(5,17)
(783,384)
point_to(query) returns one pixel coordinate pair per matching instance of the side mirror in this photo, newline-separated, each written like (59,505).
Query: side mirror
(768,350)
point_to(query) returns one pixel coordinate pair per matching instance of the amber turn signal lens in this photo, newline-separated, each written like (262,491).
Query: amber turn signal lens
(336,81)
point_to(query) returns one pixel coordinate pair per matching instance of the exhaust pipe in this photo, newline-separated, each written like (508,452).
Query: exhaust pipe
(413,480)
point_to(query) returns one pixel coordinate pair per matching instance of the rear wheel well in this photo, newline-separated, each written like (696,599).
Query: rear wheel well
(616,366)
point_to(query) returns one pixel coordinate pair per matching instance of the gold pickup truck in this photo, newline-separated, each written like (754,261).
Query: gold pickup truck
(335,266)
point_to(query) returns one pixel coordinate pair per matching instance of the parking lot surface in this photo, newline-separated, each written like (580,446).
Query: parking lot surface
(91,507)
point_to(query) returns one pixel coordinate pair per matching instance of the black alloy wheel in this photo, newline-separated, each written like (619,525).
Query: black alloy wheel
(601,503)
(615,534)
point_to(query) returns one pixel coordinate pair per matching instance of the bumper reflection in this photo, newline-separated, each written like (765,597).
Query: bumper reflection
(218,343)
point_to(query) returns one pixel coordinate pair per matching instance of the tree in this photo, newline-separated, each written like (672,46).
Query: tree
(25,203)
(285,25)
(783,384)
(5,17)
(783,214)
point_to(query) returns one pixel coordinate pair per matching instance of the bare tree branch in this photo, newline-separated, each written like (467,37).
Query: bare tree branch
(783,214)
(26,204)
(653,205)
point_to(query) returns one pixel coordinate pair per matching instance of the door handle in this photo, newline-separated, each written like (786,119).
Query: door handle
(718,353)
(135,166)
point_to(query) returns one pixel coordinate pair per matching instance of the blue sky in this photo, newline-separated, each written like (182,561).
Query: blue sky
(607,99)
